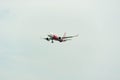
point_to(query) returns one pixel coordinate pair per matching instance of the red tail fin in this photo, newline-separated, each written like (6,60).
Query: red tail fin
(64,35)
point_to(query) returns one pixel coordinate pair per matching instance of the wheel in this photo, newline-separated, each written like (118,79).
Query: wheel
(52,41)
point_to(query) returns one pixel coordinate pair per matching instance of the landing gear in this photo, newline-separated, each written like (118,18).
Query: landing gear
(52,41)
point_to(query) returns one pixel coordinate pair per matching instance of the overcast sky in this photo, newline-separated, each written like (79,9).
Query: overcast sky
(94,55)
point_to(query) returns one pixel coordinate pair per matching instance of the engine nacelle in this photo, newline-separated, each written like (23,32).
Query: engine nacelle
(47,39)
(60,38)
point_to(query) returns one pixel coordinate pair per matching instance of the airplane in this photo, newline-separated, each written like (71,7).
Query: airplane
(55,37)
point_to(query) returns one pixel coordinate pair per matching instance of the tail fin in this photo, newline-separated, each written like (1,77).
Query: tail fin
(64,35)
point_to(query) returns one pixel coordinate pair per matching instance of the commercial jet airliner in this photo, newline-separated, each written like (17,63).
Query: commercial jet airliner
(52,37)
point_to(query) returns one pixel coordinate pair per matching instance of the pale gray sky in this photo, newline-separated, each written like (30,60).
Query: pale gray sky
(94,55)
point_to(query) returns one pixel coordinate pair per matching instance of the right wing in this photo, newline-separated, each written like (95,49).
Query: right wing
(69,37)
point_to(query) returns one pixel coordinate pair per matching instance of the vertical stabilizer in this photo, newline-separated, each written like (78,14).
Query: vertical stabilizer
(64,35)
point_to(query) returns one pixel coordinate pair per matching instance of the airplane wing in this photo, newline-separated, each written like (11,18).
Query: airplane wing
(69,36)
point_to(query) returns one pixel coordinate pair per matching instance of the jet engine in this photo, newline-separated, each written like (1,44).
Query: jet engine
(47,39)
(60,38)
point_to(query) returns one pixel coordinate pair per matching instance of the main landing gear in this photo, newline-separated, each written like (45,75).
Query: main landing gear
(52,41)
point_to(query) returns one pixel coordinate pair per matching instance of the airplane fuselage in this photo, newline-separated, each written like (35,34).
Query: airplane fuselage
(58,38)
(55,37)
